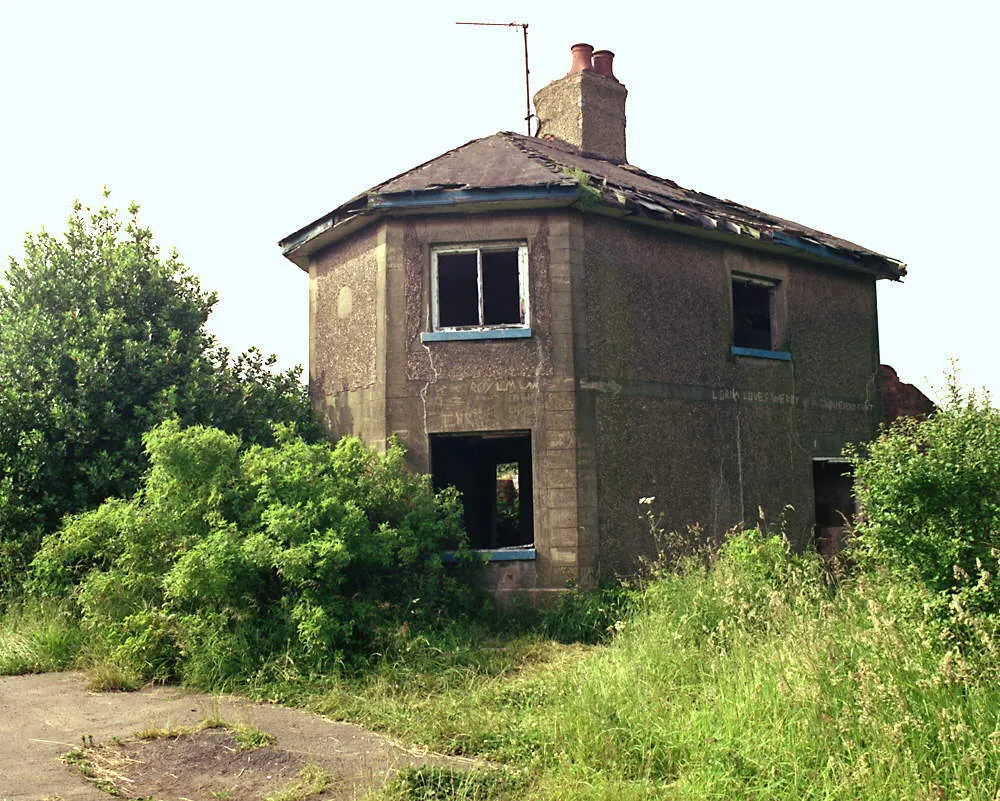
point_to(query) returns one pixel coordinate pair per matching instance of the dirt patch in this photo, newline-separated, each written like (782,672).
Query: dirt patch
(202,766)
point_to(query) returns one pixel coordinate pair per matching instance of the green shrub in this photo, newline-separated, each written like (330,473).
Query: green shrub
(929,496)
(226,560)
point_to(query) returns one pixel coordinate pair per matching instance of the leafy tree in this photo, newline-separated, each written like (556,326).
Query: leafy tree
(228,559)
(929,494)
(101,338)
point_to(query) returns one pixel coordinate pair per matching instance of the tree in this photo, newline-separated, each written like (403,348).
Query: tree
(929,495)
(101,338)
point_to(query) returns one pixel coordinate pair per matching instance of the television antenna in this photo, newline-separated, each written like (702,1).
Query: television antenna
(527,86)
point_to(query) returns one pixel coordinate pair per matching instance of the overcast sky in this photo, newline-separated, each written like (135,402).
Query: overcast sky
(233,124)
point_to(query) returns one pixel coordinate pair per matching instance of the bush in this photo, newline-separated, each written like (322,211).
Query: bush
(929,497)
(102,337)
(228,561)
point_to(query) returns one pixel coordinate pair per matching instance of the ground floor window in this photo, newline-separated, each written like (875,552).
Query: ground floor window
(833,484)
(492,471)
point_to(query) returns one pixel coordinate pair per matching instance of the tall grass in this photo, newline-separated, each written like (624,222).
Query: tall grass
(38,637)
(750,675)
(752,678)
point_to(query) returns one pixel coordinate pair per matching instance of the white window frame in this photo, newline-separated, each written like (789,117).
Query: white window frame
(479,248)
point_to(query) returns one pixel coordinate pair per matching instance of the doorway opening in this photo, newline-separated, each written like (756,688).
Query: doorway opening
(492,471)
(833,488)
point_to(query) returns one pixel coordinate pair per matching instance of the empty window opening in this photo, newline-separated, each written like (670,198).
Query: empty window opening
(492,471)
(833,488)
(480,287)
(458,290)
(753,313)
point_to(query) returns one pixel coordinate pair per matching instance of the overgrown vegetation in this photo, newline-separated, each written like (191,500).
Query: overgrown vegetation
(101,338)
(929,492)
(743,671)
(752,677)
(270,562)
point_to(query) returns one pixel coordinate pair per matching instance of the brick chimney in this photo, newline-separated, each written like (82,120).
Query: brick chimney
(586,107)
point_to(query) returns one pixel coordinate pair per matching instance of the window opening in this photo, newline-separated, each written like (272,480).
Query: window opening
(492,471)
(480,287)
(458,289)
(753,313)
(833,489)
(501,288)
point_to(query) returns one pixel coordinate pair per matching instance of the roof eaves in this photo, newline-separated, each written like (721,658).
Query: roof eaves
(299,247)
(465,195)
(695,222)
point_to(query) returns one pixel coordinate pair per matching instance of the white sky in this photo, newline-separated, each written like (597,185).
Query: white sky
(234,124)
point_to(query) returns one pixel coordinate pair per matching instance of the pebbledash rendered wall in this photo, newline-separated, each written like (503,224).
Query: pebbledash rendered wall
(712,435)
(628,384)
(412,389)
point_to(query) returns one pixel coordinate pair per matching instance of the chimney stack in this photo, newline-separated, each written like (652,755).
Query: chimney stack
(586,107)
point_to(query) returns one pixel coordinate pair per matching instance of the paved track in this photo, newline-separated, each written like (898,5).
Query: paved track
(44,716)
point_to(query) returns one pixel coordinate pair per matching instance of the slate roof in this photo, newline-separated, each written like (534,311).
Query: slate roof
(512,168)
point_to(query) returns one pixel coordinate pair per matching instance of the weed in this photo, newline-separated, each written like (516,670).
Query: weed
(105,675)
(248,737)
(429,783)
(79,759)
(312,779)
(38,636)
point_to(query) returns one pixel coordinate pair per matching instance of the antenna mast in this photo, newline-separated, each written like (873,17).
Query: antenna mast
(527,84)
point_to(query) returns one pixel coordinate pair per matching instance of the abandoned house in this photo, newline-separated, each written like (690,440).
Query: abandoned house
(558,333)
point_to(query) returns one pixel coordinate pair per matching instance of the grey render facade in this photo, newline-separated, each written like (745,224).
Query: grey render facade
(536,310)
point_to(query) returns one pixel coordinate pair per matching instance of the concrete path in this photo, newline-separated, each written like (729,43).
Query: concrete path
(44,716)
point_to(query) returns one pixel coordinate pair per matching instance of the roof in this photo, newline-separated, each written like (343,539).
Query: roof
(509,170)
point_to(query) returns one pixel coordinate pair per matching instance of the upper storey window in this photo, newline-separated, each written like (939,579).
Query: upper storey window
(480,287)
(755,318)
(753,311)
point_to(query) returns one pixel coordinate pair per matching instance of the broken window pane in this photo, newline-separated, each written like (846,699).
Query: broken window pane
(501,293)
(752,314)
(458,289)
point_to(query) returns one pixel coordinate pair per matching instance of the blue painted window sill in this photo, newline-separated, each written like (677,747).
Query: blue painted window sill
(499,555)
(478,333)
(780,355)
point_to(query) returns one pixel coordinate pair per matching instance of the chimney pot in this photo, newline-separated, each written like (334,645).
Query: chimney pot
(583,55)
(603,60)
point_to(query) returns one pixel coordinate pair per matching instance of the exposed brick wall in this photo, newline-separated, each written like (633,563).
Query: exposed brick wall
(901,400)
